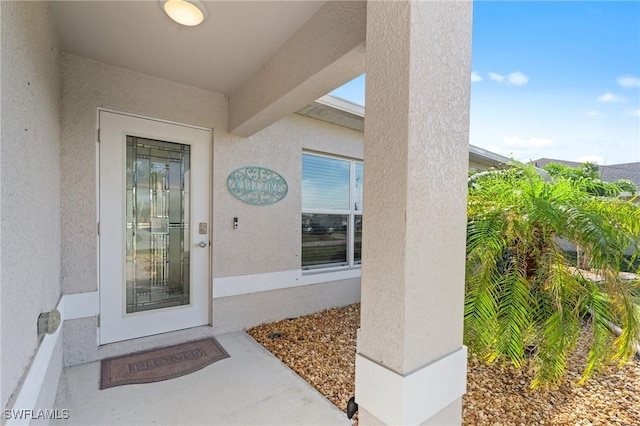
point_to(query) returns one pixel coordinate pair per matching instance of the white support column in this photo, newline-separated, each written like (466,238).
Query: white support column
(411,365)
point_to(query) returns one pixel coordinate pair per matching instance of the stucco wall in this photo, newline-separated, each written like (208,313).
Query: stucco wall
(418,68)
(30,174)
(2,398)
(87,85)
(268,238)
(242,312)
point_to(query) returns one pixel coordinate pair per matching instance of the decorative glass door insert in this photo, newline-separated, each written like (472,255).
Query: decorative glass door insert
(154,237)
(157,224)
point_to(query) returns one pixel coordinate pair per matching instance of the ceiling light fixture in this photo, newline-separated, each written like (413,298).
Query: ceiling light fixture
(185,12)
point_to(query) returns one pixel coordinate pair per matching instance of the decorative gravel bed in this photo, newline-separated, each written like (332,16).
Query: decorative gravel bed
(321,349)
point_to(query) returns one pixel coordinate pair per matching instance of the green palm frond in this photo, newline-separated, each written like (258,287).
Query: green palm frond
(522,293)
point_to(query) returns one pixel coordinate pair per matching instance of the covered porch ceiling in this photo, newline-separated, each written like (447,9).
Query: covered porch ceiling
(270,58)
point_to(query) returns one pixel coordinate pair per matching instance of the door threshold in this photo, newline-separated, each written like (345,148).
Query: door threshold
(156,341)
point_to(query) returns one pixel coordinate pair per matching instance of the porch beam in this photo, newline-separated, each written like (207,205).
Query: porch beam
(415,184)
(326,52)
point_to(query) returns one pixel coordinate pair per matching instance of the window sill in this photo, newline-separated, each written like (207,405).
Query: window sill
(314,276)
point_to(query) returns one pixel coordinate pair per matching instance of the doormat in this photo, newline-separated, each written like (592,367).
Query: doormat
(160,364)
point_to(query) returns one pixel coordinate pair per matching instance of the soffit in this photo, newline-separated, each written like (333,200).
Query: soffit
(217,55)
(336,111)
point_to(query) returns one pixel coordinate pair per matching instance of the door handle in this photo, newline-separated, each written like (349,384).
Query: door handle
(203,244)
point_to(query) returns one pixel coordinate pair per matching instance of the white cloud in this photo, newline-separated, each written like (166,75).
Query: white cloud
(634,112)
(517,78)
(591,159)
(475,77)
(610,97)
(496,77)
(593,114)
(518,142)
(496,149)
(628,82)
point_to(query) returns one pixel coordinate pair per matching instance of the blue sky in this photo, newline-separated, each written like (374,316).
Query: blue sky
(553,79)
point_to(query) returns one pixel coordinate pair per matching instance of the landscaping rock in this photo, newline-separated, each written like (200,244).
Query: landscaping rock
(321,348)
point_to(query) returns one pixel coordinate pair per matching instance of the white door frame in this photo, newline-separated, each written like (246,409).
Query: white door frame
(117,327)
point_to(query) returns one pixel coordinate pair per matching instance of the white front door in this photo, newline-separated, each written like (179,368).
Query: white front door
(154,226)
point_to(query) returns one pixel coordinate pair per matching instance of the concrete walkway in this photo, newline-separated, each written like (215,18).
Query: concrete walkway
(251,387)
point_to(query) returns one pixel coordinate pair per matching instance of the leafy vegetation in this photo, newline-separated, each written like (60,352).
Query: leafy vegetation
(587,176)
(524,297)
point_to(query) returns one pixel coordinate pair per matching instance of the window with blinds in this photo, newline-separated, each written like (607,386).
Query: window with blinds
(331,211)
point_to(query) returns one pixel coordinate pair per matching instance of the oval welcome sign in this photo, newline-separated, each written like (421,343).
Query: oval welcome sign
(257,185)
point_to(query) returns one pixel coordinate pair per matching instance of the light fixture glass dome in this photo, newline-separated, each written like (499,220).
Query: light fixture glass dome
(185,12)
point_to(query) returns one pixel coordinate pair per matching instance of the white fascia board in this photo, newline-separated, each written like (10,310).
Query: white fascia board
(342,105)
(487,157)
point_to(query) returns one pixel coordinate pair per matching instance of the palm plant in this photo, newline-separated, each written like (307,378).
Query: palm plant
(523,295)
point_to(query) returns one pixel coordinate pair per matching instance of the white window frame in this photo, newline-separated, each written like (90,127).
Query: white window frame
(351,213)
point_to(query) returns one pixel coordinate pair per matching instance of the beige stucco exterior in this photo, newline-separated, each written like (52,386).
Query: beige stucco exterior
(30,174)
(415,146)
(63,92)
(87,85)
(265,241)
(335,35)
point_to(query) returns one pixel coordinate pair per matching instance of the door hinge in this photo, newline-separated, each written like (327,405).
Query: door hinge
(98,228)
(98,320)
(99,136)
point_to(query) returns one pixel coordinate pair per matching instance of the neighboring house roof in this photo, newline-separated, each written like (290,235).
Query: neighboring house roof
(608,173)
(345,113)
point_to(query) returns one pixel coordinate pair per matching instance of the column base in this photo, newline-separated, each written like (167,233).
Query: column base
(412,399)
